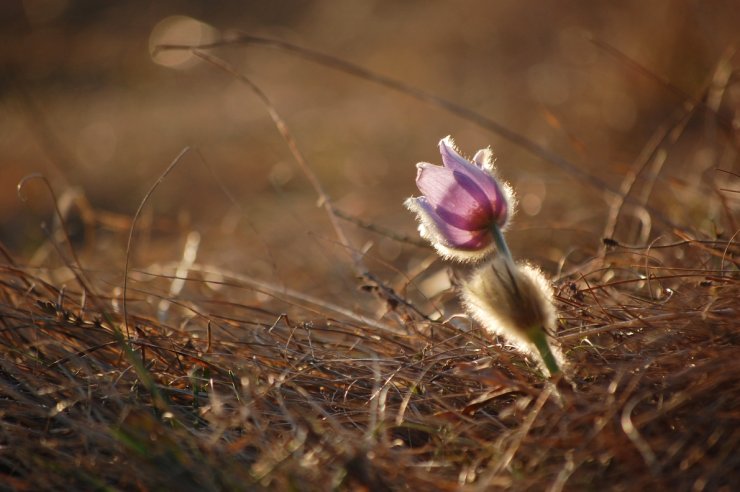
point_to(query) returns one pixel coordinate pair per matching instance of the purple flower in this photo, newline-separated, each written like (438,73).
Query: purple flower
(463,203)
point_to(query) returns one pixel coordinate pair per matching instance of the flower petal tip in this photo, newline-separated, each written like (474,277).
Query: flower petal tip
(448,141)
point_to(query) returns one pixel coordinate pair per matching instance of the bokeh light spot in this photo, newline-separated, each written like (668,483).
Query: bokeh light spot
(178,29)
(532,191)
(531,204)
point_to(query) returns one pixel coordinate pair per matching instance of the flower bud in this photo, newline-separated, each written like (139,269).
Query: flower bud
(514,301)
(462,203)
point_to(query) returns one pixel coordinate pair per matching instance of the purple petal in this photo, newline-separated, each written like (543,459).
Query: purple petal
(451,158)
(440,231)
(455,196)
(485,181)
(482,158)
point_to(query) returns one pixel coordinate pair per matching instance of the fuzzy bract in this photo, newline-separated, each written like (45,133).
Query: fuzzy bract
(514,301)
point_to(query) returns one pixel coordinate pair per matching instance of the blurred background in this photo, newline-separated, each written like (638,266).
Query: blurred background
(87,103)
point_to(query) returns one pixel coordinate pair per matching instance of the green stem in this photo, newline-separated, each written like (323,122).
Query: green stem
(540,341)
(498,238)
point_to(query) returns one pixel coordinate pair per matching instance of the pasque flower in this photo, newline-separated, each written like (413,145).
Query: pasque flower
(464,206)
(514,301)
(463,213)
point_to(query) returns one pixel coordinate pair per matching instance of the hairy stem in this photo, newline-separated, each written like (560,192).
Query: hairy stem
(498,238)
(539,339)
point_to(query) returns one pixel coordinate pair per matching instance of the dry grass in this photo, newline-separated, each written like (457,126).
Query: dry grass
(228,395)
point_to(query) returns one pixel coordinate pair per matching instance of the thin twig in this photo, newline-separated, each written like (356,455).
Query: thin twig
(130,241)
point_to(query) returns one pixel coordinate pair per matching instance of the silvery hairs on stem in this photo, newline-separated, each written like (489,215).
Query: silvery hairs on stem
(463,212)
